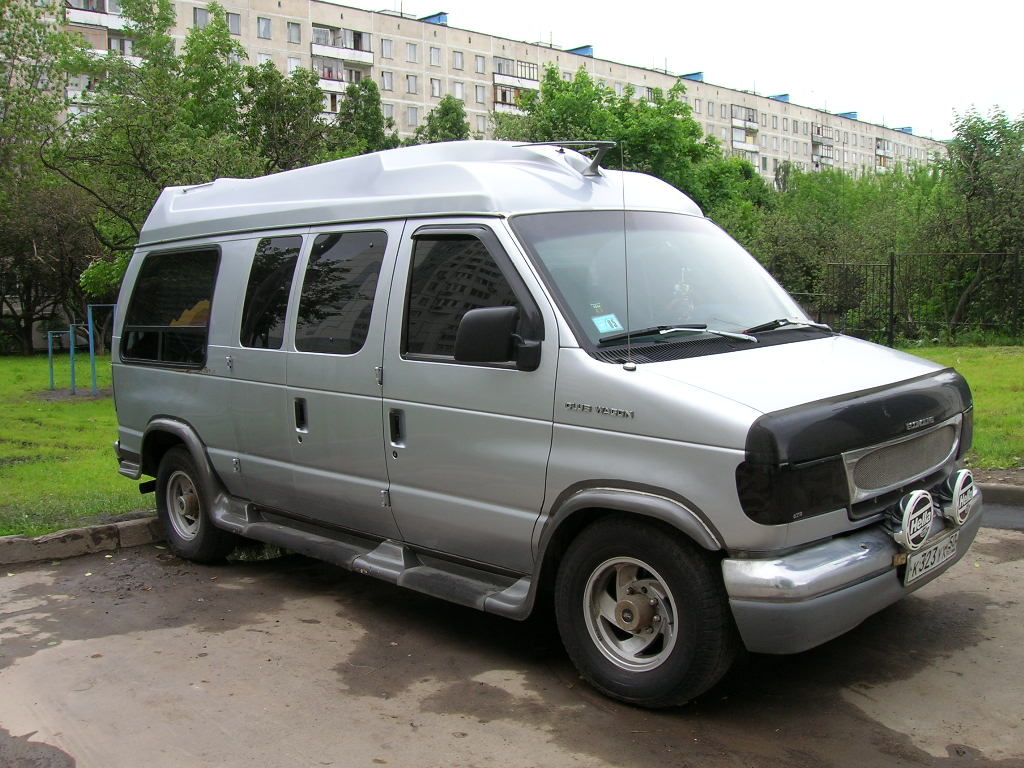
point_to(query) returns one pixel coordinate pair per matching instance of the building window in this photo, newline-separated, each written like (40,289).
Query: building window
(410,84)
(785,123)
(481,65)
(411,52)
(387,81)
(725,112)
(263,58)
(725,134)
(775,122)
(412,116)
(711,109)
(459,91)
(785,145)
(435,57)
(122,45)
(481,124)
(322,36)
(504,66)
(764,163)
(200,17)
(775,143)
(435,88)
(262,28)
(294,32)
(456,59)
(387,49)
(504,94)
(355,40)
(526,70)
(481,94)
(294,62)
(388,110)
(235,23)
(353,75)
(619,89)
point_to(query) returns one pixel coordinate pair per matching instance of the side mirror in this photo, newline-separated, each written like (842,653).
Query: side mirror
(485,335)
(488,335)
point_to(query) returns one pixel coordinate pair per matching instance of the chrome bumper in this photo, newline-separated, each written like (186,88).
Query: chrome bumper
(790,603)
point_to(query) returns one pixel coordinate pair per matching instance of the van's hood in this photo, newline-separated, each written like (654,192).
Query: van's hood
(781,376)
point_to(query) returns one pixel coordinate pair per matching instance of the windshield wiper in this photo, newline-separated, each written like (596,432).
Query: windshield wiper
(784,322)
(663,329)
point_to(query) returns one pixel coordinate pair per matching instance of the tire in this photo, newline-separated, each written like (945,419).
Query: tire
(643,613)
(183,509)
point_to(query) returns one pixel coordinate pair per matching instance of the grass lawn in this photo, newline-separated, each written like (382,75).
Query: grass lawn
(57,465)
(996,376)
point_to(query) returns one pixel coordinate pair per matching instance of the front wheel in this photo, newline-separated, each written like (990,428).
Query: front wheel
(643,613)
(183,509)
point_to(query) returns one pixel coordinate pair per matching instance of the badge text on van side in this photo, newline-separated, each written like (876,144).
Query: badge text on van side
(601,410)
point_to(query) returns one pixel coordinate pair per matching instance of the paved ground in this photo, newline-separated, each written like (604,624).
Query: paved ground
(141,659)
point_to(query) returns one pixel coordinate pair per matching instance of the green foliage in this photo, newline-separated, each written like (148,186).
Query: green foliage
(281,117)
(656,135)
(360,125)
(212,76)
(445,122)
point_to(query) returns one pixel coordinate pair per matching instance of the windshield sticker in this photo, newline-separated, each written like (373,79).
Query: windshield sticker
(607,323)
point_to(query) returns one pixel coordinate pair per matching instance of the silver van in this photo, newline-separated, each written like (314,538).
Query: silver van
(499,374)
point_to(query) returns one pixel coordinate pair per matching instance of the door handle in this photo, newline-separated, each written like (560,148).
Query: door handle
(301,418)
(396,422)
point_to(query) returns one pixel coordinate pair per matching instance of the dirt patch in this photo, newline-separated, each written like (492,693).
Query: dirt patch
(999,476)
(84,392)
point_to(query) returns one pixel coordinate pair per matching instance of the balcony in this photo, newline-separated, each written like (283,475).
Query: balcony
(510,109)
(827,141)
(348,55)
(332,85)
(881,152)
(748,125)
(516,82)
(745,146)
(824,160)
(95,18)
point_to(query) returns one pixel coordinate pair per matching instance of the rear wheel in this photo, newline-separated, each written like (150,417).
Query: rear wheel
(643,613)
(184,511)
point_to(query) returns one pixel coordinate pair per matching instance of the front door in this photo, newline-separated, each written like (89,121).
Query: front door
(467,444)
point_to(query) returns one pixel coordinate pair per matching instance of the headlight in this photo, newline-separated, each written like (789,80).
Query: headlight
(774,495)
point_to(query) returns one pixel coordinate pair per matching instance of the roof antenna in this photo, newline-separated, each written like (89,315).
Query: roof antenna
(629,365)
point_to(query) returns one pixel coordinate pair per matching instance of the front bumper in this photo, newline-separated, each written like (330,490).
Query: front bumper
(794,602)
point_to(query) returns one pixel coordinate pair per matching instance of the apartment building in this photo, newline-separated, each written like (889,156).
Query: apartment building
(417,61)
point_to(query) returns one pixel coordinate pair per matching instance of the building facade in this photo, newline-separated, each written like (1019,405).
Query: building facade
(415,62)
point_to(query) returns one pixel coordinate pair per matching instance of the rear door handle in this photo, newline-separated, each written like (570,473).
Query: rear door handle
(396,423)
(301,418)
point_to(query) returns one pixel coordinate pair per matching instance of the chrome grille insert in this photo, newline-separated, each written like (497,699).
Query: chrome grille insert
(881,468)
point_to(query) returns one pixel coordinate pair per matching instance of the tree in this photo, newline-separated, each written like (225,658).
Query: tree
(445,122)
(360,125)
(281,117)
(166,121)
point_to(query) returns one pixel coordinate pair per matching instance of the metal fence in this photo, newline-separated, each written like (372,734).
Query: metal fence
(921,296)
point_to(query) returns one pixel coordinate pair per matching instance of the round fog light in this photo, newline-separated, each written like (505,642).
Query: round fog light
(917,510)
(961,491)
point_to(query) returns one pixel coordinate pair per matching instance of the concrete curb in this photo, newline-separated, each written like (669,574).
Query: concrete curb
(995,493)
(80,541)
(146,530)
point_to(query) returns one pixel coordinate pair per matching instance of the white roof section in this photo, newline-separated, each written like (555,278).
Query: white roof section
(455,178)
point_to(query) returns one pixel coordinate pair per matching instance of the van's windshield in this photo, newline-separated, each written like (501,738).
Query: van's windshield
(683,273)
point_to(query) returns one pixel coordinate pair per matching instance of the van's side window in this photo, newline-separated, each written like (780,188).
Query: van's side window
(168,316)
(266,297)
(451,274)
(337,292)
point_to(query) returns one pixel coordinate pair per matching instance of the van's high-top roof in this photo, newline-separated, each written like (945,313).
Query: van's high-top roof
(494,178)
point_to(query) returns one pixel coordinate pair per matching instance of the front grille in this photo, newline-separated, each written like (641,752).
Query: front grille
(900,462)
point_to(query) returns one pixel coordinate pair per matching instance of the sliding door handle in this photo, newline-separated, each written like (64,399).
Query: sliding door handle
(396,424)
(301,417)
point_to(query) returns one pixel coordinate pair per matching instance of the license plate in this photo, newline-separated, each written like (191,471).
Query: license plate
(931,557)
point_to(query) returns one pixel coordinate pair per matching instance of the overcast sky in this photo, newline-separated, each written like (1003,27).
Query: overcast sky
(901,63)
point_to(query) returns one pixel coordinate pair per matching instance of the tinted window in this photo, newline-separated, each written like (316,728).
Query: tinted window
(450,275)
(337,292)
(168,317)
(266,297)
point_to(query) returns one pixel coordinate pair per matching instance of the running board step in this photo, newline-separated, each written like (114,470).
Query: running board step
(391,561)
